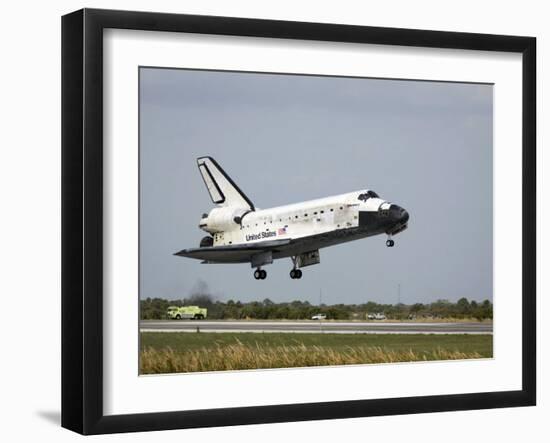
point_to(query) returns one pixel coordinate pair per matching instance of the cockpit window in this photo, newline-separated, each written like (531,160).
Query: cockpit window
(369,194)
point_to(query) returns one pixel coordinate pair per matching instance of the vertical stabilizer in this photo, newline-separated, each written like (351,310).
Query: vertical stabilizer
(222,189)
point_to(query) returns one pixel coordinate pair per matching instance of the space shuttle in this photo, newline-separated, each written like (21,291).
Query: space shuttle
(238,232)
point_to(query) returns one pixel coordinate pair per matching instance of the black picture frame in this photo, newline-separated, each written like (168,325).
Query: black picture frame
(82,218)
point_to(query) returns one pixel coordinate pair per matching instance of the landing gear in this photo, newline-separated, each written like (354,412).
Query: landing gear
(390,243)
(295,274)
(260,274)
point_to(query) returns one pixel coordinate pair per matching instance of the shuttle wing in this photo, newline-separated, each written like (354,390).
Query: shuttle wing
(243,253)
(233,253)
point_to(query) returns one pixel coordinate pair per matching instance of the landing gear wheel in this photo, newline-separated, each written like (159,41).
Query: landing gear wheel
(295,273)
(390,243)
(257,274)
(263,274)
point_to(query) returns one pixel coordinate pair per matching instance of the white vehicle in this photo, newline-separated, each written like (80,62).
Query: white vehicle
(319,317)
(377,316)
(241,233)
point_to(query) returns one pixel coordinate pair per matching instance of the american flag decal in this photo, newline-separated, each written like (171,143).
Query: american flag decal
(281,231)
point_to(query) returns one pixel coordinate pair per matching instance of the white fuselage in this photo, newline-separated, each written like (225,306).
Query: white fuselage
(296,220)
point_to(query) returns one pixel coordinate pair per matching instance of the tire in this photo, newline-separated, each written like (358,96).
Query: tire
(263,274)
(293,274)
(257,274)
(178,317)
(298,273)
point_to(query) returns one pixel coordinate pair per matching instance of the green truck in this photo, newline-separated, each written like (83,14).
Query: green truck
(189,312)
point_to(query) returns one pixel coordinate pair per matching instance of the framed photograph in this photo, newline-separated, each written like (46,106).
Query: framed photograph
(269,221)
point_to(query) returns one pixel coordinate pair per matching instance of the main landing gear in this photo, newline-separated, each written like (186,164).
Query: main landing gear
(295,273)
(260,274)
(390,242)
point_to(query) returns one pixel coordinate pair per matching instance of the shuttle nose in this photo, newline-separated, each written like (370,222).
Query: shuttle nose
(391,220)
(399,214)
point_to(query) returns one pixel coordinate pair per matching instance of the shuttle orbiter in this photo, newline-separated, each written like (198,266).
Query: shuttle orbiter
(241,233)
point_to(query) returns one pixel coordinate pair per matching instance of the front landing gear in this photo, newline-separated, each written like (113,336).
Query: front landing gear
(260,274)
(390,243)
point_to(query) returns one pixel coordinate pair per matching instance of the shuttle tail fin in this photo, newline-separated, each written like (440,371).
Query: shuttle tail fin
(222,189)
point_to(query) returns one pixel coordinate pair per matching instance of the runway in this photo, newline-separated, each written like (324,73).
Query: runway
(311,326)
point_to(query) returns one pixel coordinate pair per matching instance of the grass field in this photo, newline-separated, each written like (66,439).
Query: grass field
(162,353)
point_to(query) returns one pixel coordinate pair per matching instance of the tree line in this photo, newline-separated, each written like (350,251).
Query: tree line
(155,308)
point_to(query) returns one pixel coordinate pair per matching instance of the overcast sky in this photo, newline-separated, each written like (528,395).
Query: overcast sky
(426,146)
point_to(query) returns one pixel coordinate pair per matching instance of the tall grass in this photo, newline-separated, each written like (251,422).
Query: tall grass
(239,356)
